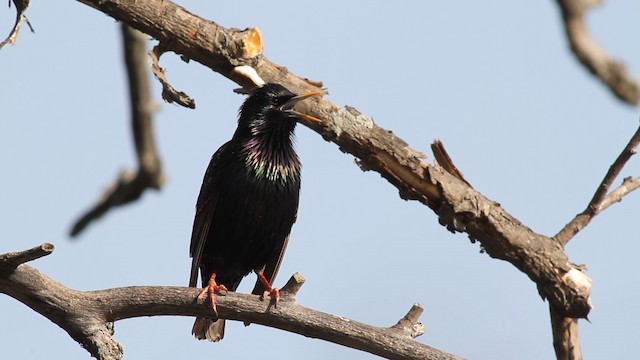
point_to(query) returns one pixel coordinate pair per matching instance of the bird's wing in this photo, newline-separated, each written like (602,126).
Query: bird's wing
(273,265)
(205,207)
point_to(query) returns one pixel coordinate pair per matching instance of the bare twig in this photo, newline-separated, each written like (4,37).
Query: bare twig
(409,323)
(614,170)
(601,200)
(130,185)
(611,72)
(628,185)
(16,258)
(169,93)
(291,288)
(88,316)
(21,8)
(565,329)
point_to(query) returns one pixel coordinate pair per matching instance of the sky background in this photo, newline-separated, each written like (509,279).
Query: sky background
(495,81)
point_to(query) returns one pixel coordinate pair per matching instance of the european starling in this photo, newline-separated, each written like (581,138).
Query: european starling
(248,201)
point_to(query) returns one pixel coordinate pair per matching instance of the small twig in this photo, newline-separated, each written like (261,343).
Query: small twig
(16,258)
(130,185)
(628,185)
(409,324)
(21,8)
(611,72)
(169,93)
(291,288)
(614,171)
(566,342)
(597,203)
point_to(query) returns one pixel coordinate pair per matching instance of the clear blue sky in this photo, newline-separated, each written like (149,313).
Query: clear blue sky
(528,127)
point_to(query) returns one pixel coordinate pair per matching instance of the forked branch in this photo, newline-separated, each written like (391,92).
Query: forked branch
(602,199)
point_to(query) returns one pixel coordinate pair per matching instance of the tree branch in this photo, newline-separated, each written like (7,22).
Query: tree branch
(14,259)
(88,316)
(601,200)
(565,336)
(130,185)
(611,72)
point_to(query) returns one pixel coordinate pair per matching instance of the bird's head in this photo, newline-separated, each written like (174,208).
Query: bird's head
(271,105)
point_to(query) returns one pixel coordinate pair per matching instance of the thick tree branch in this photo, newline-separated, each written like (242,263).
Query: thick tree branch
(610,71)
(565,336)
(130,185)
(601,200)
(88,316)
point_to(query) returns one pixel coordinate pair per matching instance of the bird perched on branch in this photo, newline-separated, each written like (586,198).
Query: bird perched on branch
(248,201)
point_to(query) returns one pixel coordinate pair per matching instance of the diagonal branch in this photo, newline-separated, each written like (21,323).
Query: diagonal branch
(610,71)
(601,200)
(88,316)
(130,185)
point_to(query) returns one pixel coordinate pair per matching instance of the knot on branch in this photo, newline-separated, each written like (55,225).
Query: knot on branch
(291,288)
(13,259)
(409,325)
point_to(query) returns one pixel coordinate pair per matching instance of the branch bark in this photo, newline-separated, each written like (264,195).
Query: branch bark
(602,199)
(565,336)
(610,72)
(88,316)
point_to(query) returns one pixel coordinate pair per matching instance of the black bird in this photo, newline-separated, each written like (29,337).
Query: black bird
(248,201)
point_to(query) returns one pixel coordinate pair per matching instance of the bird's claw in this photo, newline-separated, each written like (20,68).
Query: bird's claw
(273,293)
(211,289)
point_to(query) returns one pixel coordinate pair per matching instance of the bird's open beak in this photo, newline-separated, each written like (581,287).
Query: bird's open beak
(288,106)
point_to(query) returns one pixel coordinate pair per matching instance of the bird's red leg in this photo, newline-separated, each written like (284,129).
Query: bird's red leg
(271,291)
(211,289)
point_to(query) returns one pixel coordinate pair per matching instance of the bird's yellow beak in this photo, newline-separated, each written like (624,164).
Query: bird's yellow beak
(291,103)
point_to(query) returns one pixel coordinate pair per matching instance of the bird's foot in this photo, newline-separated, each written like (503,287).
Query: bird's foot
(272,292)
(211,289)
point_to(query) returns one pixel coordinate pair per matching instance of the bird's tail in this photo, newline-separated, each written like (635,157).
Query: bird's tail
(204,328)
